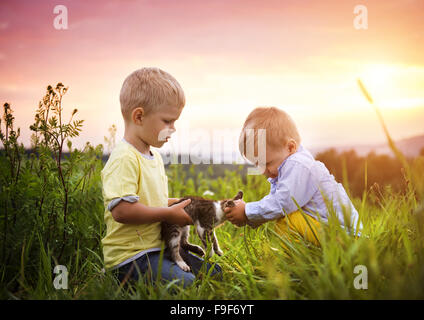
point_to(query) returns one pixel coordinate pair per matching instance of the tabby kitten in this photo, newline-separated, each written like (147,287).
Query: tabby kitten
(206,215)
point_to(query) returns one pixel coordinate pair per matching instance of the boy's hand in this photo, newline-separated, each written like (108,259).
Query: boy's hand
(236,215)
(178,215)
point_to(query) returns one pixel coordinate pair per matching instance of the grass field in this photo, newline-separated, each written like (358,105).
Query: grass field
(51,213)
(254,264)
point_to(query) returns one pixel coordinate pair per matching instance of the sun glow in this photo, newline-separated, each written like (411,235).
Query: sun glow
(391,86)
(378,76)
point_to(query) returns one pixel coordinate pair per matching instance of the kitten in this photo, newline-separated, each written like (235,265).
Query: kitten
(206,215)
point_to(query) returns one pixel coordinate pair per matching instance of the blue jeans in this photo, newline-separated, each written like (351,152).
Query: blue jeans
(148,264)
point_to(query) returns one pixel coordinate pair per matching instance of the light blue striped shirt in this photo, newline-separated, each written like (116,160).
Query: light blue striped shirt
(308,181)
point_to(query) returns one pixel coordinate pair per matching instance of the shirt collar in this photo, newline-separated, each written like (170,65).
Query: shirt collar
(149,157)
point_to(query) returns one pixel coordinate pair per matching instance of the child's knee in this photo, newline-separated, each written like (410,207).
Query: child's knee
(186,279)
(300,224)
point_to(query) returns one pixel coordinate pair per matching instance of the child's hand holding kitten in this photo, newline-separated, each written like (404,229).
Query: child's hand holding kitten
(177,214)
(236,214)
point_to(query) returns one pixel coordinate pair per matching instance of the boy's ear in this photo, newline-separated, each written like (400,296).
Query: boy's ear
(138,115)
(292,146)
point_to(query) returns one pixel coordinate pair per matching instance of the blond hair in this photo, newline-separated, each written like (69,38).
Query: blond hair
(150,88)
(279,126)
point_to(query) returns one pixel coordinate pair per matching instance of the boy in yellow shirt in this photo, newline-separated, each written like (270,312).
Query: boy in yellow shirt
(135,186)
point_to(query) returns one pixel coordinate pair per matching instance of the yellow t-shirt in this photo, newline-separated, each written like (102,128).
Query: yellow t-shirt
(128,173)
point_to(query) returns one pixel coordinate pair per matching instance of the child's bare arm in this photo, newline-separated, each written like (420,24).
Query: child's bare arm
(137,213)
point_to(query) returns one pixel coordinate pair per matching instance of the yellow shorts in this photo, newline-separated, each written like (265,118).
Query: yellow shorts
(300,223)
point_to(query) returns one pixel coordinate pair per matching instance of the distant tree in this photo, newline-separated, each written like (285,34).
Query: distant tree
(363,172)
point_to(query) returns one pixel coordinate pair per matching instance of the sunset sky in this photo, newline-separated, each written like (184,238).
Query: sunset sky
(229,56)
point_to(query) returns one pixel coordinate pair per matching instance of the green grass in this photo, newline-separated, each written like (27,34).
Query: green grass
(255,265)
(51,213)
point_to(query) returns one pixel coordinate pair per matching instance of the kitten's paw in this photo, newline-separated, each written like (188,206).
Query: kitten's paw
(183,266)
(195,249)
(219,252)
(200,251)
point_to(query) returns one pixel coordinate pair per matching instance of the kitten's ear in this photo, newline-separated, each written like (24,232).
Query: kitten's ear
(230,204)
(239,196)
